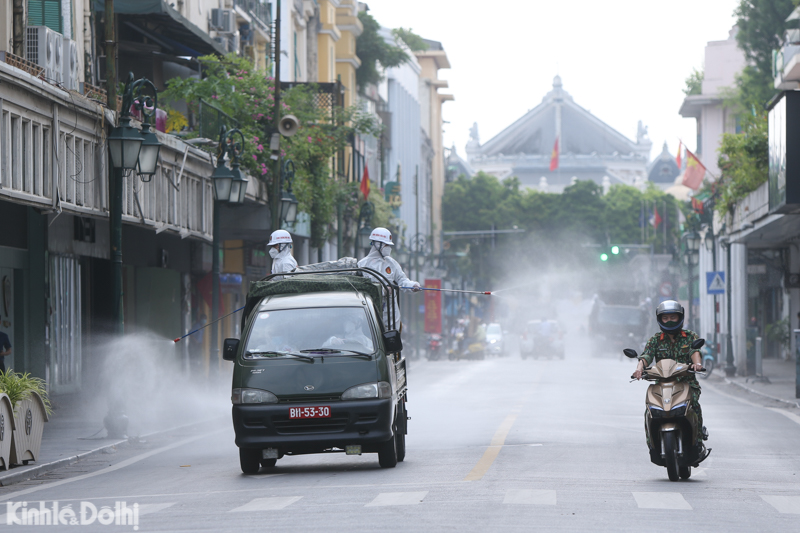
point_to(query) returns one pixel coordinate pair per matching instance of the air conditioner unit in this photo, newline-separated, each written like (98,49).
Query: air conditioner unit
(234,43)
(223,20)
(58,59)
(71,70)
(41,48)
(222,40)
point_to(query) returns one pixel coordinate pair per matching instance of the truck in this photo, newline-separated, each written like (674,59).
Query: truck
(317,370)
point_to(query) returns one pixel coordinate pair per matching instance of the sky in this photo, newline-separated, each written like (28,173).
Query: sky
(623,60)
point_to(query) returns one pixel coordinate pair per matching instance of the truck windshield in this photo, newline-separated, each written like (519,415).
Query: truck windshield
(327,329)
(620,316)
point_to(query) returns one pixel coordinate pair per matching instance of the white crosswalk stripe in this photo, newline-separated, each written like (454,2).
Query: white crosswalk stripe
(397,498)
(530,497)
(661,500)
(784,504)
(267,504)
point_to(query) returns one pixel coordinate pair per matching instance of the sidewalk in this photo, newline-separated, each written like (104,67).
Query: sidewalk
(75,429)
(779,382)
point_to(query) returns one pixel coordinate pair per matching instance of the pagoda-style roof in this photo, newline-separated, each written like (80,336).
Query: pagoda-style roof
(581,132)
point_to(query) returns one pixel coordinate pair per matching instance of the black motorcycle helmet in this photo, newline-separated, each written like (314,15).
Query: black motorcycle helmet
(669,307)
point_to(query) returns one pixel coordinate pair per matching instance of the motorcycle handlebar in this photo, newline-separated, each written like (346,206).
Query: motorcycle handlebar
(645,375)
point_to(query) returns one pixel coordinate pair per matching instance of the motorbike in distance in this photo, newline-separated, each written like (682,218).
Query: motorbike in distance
(434,347)
(708,361)
(671,424)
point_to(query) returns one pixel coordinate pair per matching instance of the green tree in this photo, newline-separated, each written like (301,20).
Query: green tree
(372,49)
(247,95)
(414,42)
(761,26)
(694,83)
(744,161)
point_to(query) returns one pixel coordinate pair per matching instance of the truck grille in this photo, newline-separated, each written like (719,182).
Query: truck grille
(286,426)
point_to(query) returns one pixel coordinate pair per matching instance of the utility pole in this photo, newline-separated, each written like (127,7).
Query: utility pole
(115,177)
(275,199)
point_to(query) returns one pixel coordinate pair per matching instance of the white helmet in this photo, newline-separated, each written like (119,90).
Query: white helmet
(382,235)
(280,236)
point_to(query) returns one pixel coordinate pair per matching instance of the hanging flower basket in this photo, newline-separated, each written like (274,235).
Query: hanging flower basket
(6,430)
(30,415)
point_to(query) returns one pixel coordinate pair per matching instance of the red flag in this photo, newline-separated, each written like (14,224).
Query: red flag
(365,183)
(695,171)
(554,156)
(697,205)
(678,157)
(655,219)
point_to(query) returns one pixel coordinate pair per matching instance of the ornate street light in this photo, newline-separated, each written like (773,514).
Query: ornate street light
(124,144)
(230,185)
(288,200)
(709,240)
(364,237)
(692,241)
(129,148)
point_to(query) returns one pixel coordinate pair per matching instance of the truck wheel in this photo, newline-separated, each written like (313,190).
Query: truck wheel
(387,453)
(268,463)
(249,460)
(401,446)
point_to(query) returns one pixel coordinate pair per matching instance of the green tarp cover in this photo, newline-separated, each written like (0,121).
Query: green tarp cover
(310,283)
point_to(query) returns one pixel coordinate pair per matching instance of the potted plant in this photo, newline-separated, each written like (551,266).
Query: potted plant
(31,409)
(6,430)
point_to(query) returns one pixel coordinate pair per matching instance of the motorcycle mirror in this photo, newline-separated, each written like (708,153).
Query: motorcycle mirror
(630,353)
(699,343)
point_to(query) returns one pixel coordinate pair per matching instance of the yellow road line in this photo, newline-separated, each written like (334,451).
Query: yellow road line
(493,450)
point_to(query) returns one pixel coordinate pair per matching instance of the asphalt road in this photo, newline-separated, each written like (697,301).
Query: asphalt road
(496,445)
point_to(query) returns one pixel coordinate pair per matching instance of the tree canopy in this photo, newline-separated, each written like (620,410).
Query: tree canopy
(372,49)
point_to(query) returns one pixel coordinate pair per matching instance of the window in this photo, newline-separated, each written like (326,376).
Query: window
(45,13)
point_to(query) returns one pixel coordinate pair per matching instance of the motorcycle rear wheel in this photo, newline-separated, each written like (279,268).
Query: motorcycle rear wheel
(671,455)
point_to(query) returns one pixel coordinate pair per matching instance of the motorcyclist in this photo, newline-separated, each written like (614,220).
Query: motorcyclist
(280,243)
(674,342)
(378,259)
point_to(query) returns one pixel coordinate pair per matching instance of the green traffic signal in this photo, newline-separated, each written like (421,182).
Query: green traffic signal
(615,250)
(603,257)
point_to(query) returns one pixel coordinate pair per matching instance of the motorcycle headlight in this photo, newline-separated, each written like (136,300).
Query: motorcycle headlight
(493,341)
(250,396)
(368,390)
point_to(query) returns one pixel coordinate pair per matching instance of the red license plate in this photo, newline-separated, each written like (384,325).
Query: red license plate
(323,411)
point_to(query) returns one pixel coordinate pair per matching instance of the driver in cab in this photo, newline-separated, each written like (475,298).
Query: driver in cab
(353,335)
(674,342)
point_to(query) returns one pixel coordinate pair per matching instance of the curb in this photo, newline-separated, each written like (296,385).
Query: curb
(30,473)
(749,389)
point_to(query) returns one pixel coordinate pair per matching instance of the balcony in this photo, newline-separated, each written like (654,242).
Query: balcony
(259,12)
(786,60)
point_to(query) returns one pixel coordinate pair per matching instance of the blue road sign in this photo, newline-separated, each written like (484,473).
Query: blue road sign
(715,282)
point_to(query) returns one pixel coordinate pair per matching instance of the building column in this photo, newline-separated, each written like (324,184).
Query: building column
(706,308)
(739,306)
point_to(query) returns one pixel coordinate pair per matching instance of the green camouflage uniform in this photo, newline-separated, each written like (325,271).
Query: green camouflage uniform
(662,346)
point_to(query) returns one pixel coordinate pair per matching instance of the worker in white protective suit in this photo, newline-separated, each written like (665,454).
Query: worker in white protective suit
(280,243)
(378,259)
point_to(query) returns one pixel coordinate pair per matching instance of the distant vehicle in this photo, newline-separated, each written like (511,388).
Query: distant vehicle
(618,325)
(494,339)
(542,338)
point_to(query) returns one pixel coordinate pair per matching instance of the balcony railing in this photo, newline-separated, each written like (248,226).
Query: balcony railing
(259,11)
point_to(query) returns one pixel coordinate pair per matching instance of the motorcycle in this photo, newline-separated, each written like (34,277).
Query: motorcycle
(434,347)
(670,422)
(708,361)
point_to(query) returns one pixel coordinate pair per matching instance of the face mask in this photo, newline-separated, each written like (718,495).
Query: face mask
(273,253)
(671,323)
(386,250)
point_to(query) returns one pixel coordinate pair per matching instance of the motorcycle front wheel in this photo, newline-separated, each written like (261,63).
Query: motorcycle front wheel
(671,455)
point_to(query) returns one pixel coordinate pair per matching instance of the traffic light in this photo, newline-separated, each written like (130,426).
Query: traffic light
(604,257)
(615,250)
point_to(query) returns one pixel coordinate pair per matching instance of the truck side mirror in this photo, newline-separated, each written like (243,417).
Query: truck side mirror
(229,349)
(392,342)
(630,353)
(699,343)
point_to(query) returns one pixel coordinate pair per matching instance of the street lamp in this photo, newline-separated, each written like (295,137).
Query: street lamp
(692,258)
(692,241)
(129,150)
(230,187)
(709,240)
(364,224)
(288,200)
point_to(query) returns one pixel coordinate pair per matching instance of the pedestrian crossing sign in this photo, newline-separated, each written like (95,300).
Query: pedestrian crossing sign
(715,282)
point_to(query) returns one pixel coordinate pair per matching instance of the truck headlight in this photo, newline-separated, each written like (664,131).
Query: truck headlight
(368,390)
(250,396)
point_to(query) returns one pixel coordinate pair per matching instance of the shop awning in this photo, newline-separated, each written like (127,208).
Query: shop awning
(172,28)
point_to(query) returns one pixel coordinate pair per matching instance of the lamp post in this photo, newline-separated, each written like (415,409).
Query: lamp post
(230,187)
(129,150)
(288,200)
(692,257)
(417,248)
(364,230)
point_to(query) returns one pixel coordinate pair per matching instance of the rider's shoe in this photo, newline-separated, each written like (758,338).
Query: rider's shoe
(704,431)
